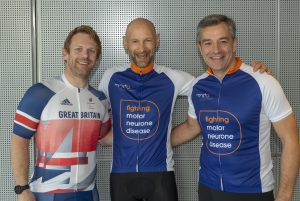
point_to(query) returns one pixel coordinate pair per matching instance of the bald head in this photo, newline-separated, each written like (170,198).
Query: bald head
(141,41)
(140,22)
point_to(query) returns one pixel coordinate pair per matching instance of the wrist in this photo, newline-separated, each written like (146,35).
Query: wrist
(20,188)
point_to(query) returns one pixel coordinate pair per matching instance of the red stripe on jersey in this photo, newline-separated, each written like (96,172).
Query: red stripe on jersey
(63,161)
(26,121)
(64,191)
(67,161)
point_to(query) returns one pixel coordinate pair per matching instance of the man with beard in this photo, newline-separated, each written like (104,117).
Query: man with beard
(142,95)
(67,117)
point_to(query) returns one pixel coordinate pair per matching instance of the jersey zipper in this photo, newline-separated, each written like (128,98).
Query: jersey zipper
(79,131)
(220,162)
(140,78)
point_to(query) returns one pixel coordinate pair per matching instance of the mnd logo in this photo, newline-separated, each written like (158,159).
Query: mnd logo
(203,96)
(139,120)
(222,132)
(122,86)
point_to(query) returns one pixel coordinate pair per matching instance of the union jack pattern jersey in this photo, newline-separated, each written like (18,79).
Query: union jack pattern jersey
(66,122)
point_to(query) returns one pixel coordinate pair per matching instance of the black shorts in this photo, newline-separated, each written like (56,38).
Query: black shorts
(208,194)
(144,186)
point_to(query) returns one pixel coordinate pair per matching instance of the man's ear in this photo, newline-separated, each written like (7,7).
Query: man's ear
(157,39)
(125,42)
(235,42)
(64,53)
(199,47)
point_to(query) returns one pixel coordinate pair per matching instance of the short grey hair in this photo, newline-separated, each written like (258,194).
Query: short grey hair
(215,19)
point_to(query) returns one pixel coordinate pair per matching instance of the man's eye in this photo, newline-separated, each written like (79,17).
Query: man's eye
(207,43)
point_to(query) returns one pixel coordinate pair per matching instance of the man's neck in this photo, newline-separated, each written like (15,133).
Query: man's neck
(233,66)
(76,81)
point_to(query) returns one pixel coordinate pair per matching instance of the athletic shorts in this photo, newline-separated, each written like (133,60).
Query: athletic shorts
(144,186)
(208,194)
(73,196)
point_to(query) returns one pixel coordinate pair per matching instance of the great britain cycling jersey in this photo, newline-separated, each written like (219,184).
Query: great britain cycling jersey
(235,116)
(66,122)
(142,102)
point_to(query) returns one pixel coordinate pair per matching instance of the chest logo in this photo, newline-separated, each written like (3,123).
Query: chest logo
(123,86)
(139,120)
(222,132)
(203,96)
(66,102)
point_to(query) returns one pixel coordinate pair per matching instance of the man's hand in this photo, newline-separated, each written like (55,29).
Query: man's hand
(258,65)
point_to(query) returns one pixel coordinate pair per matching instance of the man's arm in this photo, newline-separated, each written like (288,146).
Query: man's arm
(105,129)
(185,131)
(287,131)
(20,165)
(107,140)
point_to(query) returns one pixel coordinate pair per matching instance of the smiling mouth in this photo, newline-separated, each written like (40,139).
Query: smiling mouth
(216,57)
(83,62)
(143,56)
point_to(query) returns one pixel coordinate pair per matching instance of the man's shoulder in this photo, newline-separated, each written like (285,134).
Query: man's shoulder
(172,72)
(38,88)
(117,68)
(261,78)
(201,77)
(97,93)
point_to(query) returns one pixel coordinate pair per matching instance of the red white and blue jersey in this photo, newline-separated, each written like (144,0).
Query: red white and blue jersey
(65,122)
(142,103)
(235,116)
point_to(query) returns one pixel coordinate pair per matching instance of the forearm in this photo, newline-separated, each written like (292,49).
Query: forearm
(289,171)
(20,159)
(287,131)
(178,134)
(185,132)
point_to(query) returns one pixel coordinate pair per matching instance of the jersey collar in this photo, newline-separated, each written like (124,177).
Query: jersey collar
(140,70)
(65,80)
(230,70)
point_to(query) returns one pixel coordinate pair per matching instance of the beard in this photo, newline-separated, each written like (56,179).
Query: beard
(142,61)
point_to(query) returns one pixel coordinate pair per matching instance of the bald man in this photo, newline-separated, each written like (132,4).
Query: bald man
(142,96)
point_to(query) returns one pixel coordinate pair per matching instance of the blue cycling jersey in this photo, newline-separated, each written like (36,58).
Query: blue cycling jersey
(142,102)
(235,116)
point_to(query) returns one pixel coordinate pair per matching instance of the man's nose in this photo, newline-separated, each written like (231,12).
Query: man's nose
(216,47)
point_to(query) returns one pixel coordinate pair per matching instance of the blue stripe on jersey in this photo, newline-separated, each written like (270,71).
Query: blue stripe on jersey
(46,174)
(141,108)
(229,114)
(97,93)
(32,104)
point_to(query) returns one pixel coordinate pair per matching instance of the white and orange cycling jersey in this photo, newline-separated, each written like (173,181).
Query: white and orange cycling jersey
(66,122)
